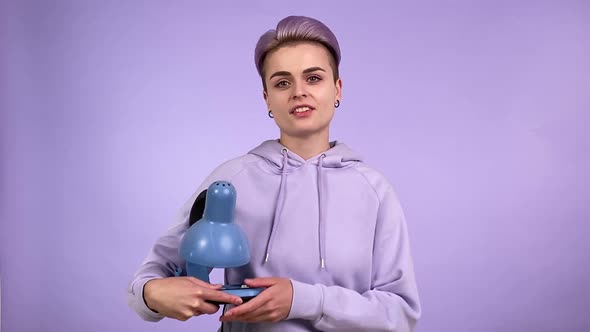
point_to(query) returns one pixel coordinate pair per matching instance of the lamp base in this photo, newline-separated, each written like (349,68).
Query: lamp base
(243,291)
(202,272)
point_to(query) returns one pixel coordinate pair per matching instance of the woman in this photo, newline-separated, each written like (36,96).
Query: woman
(327,235)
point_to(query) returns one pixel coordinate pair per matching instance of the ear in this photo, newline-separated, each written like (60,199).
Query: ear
(265,96)
(339,89)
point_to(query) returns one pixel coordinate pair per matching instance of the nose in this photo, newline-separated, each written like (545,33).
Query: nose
(299,90)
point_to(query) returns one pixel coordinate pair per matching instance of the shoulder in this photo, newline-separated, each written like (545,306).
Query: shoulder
(233,167)
(374,178)
(226,171)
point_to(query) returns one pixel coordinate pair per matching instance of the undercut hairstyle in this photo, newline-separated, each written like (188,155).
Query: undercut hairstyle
(293,30)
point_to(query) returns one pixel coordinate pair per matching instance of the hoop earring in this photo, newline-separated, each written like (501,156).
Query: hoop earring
(337,103)
(270,115)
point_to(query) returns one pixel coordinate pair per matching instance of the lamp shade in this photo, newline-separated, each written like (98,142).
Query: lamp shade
(215,241)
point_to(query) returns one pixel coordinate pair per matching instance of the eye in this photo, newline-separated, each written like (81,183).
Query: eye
(282,84)
(314,79)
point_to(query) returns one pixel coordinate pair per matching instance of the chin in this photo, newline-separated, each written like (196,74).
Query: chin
(305,131)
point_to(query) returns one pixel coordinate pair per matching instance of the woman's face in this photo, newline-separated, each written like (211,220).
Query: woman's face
(300,89)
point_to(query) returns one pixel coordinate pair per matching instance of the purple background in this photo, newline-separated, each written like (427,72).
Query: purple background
(474,110)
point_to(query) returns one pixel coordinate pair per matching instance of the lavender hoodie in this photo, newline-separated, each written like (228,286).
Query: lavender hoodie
(331,224)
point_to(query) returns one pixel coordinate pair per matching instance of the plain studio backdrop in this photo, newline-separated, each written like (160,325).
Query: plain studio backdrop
(113,112)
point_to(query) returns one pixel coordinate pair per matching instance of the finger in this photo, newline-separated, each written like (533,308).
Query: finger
(186,315)
(207,308)
(201,283)
(219,296)
(249,306)
(257,315)
(262,282)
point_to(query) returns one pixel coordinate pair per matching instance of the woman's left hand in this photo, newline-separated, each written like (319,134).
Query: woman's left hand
(272,305)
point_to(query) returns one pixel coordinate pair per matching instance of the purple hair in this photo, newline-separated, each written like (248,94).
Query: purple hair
(293,30)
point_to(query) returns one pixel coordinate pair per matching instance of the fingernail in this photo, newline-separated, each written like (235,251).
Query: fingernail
(238,301)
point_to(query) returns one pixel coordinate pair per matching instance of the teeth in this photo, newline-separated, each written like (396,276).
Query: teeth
(302,109)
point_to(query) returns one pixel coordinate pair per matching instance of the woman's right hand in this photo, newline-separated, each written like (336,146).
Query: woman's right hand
(184,297)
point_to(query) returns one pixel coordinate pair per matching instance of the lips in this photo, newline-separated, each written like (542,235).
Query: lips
(299,109)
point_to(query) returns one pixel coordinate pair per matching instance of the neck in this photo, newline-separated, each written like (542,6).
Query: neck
(308,146)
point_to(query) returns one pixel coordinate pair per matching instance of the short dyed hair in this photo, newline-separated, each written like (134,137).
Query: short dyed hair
(293,30)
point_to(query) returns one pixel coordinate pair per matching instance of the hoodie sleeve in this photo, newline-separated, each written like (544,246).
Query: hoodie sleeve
(391,304)
(162,260)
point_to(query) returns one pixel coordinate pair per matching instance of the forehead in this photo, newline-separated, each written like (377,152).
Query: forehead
(296,58)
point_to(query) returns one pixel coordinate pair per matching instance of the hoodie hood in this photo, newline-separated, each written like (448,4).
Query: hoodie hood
(283,162)
(339,155)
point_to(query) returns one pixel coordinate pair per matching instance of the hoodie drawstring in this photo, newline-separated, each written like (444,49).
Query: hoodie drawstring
(322,223)
(281,202)
(279,205)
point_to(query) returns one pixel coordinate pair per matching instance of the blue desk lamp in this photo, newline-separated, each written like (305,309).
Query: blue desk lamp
(215,241)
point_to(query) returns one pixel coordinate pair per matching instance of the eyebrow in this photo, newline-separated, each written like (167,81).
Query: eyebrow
(306,71)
